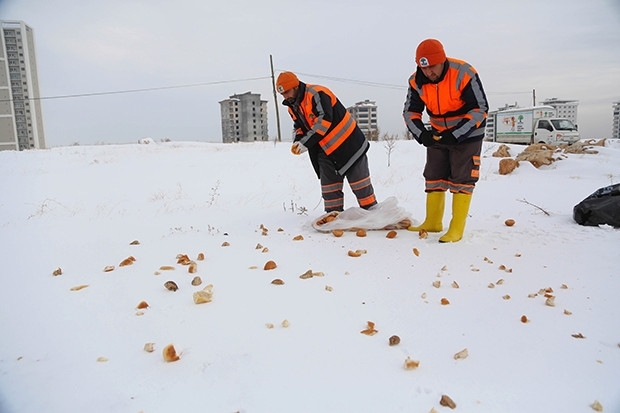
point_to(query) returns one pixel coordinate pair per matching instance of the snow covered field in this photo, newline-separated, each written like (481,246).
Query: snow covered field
(297,347)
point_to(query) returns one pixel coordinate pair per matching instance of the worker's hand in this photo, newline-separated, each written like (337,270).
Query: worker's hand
(298,148)
(427,139)
(447,138)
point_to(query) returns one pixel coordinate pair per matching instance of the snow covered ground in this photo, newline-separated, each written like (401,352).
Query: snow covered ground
(297,347)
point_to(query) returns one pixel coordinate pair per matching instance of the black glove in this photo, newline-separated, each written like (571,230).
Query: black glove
(426,138)
(447,138)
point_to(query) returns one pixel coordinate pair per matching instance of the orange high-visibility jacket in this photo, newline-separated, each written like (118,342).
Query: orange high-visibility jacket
(455,103)
(322,123)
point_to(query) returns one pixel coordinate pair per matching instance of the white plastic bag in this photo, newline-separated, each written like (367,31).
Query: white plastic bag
(384,215)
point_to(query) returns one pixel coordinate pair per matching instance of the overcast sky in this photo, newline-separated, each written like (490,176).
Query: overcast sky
(568,49)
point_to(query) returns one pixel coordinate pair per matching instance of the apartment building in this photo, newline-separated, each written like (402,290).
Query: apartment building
(21,121)
(365,114)
(615,127)
(244,118)
(566,109)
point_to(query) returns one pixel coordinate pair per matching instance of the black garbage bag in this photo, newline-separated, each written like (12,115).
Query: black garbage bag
(602,207)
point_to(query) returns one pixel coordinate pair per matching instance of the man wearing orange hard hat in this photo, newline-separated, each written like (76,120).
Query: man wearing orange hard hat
(336,145)
(452,94)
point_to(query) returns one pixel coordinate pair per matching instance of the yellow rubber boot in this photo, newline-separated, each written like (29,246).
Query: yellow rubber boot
(460,209)
(435,203)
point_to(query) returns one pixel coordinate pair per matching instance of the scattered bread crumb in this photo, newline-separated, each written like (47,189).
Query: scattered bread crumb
(597,406)
(356,253)
(127,261)
(463,354)
(170,353)
(204,296)
(370,329)
(447,401)
(411,364)
(171,286)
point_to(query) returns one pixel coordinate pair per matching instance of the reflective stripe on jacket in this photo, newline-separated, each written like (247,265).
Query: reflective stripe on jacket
(322,122)
(456,102)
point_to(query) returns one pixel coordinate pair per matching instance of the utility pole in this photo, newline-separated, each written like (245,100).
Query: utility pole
(275,98)
(533,97)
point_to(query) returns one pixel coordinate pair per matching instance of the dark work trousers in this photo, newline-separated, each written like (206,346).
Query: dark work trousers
(453,167)
(358,177)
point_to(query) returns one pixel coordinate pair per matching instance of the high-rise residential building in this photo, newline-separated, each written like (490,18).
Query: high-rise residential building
(244,118)
(21,121)
(566,109)
(615,127)
(365,114)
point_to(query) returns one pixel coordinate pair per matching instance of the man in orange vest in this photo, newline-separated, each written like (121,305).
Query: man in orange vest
(456,104)
(337,147)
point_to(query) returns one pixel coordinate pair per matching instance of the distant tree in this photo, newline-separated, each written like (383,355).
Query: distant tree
(389,143)
(373,135)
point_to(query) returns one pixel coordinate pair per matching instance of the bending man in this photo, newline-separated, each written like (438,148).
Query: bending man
(337,147)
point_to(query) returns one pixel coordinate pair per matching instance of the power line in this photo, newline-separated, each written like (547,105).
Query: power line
(357,82)
(150,89)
